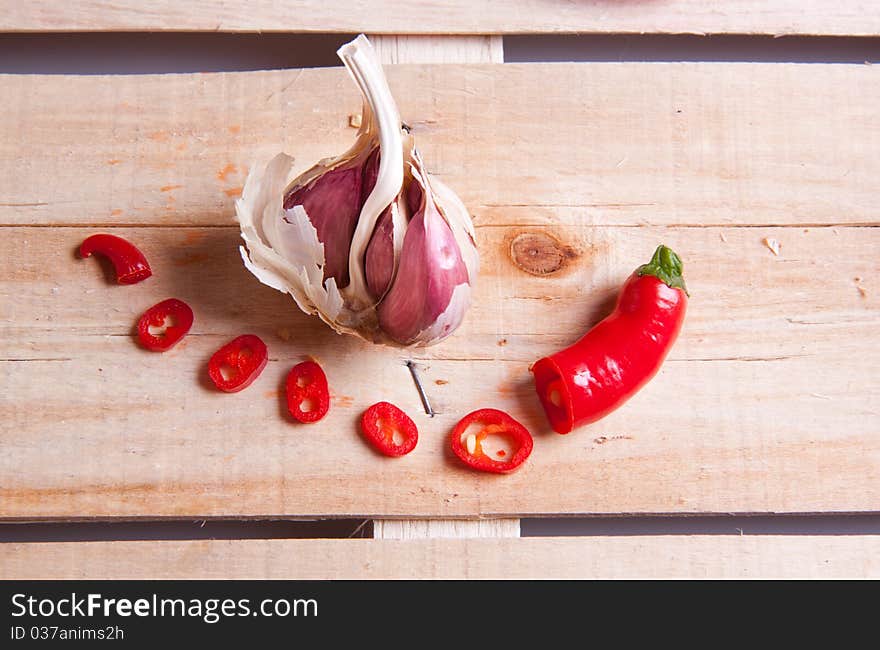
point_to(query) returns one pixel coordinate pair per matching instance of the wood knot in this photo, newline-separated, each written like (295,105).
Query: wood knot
(539,253)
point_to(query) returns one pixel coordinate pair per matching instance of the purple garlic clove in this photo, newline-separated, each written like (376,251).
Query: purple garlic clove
(379,260)
(333,204)
(431,268)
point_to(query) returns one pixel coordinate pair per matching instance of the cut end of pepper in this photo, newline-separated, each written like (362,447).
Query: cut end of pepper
(489,440)
(163,325)
(553,395)
(237,364)
(389,430)
(307,392)
(666,266)
(133,277)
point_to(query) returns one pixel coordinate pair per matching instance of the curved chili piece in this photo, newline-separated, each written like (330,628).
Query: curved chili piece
(611,362)
(382,423)
(470,437)
(129,263)
(172,317)
(237,364)
(308,397)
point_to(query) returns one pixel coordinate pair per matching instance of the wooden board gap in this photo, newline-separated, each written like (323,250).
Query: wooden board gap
(777,524)
(728,48)
(147,530)
(152,53)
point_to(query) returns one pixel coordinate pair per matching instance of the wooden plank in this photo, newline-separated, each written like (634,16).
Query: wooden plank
(444,528)
(639,557)
(768,403)
(621,144)
(395,49)
(777,17)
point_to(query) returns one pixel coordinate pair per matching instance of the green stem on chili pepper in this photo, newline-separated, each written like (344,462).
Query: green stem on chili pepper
(667,266)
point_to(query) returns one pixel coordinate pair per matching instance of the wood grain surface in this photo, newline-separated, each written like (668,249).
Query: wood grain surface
(610,144)
(444,528)
(421,49)
(768,403)
(640,557)
(776,17)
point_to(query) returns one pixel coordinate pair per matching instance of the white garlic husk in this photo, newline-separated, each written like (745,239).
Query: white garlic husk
(368,241)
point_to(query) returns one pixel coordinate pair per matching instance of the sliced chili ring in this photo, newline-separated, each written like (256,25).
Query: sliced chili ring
(490,440)
(308,397)
(129,263)
(163,325)
(237,364)
(389,430)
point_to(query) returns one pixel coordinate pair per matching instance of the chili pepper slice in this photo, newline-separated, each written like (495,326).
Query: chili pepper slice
(129,263)
(164,324)
(389,430)
(308,398)
(611,362)
(490,440)
(237,364)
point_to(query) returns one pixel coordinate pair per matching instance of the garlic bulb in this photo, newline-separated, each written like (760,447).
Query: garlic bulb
(368,241)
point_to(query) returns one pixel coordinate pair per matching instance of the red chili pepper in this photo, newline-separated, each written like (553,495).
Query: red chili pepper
(172,318)
(308,398)
(612,361)
(237,364)
(390,430)
(490,440)
(130,264)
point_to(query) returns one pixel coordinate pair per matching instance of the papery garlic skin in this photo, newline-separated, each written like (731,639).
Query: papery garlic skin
(368,241)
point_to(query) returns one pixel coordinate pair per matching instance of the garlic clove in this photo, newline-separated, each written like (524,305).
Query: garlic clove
(431,269)
(332,203)
(383,251)
(380,259)
(459,220)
